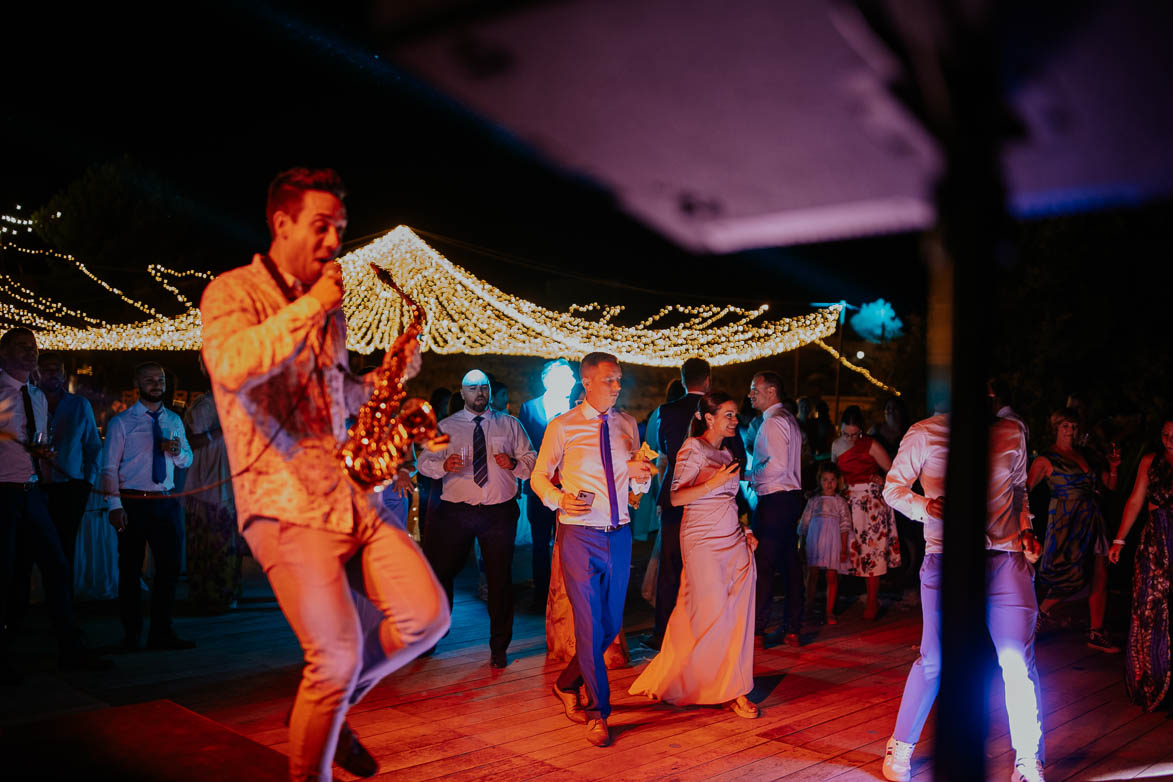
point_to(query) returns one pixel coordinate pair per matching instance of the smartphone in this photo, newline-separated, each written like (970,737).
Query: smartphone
(586,496)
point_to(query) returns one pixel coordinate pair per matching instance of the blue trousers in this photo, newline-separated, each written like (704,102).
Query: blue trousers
(595,568)
(1011,611)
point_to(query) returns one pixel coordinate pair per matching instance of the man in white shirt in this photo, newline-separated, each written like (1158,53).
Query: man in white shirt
(1012,607)
(479,501)
(275,350)
(144,445)
(776,477)
(591,448)
(25,457)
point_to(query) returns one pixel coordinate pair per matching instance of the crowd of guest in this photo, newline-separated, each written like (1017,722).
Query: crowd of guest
(753,498)
(59,472)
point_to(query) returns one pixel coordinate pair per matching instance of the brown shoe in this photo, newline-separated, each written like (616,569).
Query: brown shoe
(574,712)
(597,732)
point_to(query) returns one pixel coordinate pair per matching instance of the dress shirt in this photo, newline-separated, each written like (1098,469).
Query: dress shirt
(923,456)
(130,452)
(571,447)
(1006,412)
(278,372)
(76,440)
(16,463)
(777,453)
(503,434)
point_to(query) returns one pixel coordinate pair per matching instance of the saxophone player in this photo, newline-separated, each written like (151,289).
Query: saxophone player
(275,348)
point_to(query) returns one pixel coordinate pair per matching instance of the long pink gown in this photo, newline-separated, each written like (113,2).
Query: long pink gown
(707,655)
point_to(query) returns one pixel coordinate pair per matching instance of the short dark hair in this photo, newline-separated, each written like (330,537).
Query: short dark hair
(12,334)
(51,358)
(592,360)
(287,189)
(144,366)
(1065,414)
(852,416)
(1000,389)
(674,391)
(694,372)
(774,380)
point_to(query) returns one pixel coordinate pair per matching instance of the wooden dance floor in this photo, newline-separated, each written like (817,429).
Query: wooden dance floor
(828,707)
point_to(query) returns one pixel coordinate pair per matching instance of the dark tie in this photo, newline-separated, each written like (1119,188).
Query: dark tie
(30,430)
(480,460)
(608,468)
(158,460)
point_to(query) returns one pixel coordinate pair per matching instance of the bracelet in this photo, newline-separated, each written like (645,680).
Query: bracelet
(1118,542)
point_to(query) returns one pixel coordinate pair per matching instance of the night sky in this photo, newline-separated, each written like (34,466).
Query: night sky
(209,104)
(201,105)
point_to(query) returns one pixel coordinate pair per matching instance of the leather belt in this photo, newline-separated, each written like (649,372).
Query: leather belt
(17,485)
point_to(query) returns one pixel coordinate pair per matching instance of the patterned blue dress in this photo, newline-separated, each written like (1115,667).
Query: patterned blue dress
(1146,659)
(1075,528)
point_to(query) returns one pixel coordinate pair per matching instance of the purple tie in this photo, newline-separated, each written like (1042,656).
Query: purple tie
(608,468)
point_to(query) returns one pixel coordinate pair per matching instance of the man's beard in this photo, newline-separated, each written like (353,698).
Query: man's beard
(478,406)
(156,397)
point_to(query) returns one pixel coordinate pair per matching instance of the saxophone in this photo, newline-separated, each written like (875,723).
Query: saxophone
(389,423)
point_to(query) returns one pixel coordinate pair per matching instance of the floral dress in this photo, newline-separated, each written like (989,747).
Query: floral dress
(873,546)
(1075,528)
(1146,660)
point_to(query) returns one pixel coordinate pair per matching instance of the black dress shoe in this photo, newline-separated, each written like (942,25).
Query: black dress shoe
(169,641)
(352,755)
(498,660)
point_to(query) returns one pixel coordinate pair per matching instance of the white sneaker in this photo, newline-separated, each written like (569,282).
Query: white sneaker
(898,760)
(1028,770)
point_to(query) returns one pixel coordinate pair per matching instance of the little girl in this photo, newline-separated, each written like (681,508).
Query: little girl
(826,521)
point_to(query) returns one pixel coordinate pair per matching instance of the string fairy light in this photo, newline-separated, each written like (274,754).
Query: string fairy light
(470,316)
(856,368)
(466,315)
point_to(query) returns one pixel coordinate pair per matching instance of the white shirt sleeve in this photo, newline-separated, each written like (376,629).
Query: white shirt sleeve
(549,459)
(906,469)
(111,460)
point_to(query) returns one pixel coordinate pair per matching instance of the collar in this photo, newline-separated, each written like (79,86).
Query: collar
(1005,412)
(588,412)
(291,281)
(468,415)
(10,381)
(138,408)
(773,411)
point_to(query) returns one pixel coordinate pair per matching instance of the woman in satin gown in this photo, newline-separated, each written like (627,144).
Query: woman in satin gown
(1147,659)
(707,654)
(1075,547)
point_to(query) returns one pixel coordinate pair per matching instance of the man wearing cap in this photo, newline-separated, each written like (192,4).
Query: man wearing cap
(488,453)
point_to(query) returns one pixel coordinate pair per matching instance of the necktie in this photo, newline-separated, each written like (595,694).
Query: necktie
(608,468)
(158,460)
(480,460)
(30,430)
